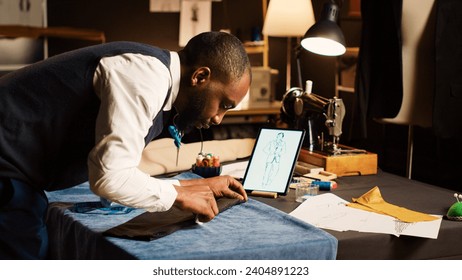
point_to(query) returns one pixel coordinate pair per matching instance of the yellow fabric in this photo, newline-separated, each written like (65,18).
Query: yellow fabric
(372,201)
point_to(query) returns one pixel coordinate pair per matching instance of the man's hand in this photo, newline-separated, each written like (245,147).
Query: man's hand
(197,199)
(226,186)
(221,186)
(198,195)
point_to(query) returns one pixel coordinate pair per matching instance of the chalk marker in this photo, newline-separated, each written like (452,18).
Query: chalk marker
(325,185)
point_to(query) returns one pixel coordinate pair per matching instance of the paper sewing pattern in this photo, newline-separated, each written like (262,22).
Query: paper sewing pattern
(329,211)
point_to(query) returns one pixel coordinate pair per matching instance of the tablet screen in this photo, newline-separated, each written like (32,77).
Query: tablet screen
(273,160)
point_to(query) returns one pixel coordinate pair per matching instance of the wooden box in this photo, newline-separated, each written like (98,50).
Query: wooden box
(342,165)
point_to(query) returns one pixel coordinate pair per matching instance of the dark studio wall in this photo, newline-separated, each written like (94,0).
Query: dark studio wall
(131,20)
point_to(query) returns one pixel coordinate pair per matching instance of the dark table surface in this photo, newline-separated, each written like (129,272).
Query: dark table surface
(400,191)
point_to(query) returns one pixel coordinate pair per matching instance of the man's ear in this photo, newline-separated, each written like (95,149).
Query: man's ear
(201,75)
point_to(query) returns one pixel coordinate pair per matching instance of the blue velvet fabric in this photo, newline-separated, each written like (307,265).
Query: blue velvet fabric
(251,230)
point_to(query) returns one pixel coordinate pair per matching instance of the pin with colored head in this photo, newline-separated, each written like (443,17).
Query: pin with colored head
(176,135)
(176,139)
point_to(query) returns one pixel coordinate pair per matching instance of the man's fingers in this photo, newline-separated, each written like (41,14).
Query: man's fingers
(213,204)
(236,192)
(239,188)
(202,203)
(210,208)
(215,207)
(232,194)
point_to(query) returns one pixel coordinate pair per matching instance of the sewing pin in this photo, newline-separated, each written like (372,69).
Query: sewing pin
(177,155)
(177,139)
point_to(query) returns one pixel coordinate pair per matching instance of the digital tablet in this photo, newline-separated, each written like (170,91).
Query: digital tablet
(273,160)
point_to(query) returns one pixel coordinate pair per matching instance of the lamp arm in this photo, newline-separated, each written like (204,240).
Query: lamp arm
(297,52)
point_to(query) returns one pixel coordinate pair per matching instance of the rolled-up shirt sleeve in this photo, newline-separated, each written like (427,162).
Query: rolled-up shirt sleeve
(132,89)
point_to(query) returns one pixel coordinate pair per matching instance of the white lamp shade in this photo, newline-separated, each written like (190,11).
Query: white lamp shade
(288,18)
(323,46)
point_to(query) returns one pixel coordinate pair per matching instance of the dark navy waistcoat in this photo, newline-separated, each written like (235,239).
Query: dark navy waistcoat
(48,112)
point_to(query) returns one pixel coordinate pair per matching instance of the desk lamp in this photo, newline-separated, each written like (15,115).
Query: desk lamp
(326,37)
(288,18)
(323,38)
(318,115)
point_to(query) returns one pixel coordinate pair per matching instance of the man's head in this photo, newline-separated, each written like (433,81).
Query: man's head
(215,77)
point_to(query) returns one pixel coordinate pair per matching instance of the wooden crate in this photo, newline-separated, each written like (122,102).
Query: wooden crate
(342,165)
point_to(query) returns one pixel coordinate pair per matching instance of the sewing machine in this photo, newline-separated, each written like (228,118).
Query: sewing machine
(321,118)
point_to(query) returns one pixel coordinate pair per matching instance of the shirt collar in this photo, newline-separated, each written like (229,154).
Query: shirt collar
(175,71)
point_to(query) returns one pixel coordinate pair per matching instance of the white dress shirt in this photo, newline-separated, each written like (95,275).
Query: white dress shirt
(132,89)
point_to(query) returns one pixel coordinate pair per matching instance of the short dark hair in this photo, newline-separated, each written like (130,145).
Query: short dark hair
(222,52)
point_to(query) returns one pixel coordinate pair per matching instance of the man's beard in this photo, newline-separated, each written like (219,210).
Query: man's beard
(186,119)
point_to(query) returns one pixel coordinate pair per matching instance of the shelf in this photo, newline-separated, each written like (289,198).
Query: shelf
(15,31)
(255,49)
(260,47)
(253,113)
(21,31)
(11,67)
(263,108)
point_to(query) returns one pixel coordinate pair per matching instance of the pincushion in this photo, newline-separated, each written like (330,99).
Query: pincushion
(455,211)
(207,165)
